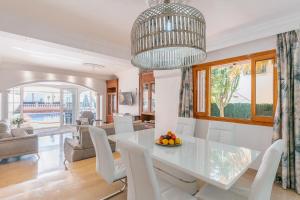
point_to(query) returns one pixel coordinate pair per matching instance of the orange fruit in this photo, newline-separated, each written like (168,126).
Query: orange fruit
(171,142)
(165,141)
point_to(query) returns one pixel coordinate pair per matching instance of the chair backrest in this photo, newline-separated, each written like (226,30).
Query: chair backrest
(185,126)
(220,132)
(262,185)
(89,115)
(85,139)
(123,124)
(142,181)
(104,158)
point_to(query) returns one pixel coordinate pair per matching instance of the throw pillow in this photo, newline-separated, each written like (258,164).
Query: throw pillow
(4,127)
(5,135)
(18,132)
(84,121)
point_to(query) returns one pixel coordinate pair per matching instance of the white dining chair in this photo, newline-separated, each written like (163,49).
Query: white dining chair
(187,183)
(220,132)
(123,124)
(261,187)
(106,166)
(185,126)
(143,183)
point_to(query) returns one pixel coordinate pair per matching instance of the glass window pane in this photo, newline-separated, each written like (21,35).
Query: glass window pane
(41,106)
(114,103)
(152,97)
(231,90)
(201,91)
(88,101)
(109,103)
(69,105)
(146,98)
(264,87)
(14,103)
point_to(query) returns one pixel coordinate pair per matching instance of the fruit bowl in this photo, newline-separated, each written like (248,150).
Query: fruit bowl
(169,140)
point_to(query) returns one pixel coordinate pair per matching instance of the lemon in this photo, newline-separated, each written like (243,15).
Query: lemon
(171,142)
(177,141)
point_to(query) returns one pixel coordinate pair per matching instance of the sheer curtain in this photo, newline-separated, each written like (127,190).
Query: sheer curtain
(186,93)
(287,118)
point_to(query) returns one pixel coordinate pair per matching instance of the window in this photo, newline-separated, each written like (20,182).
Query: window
(88,101)
(41,106)
(241,89)
(14,103)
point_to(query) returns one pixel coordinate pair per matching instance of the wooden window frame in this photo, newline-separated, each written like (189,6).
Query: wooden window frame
(255,120)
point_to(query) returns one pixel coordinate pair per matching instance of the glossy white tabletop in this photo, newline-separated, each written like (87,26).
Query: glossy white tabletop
(215,163)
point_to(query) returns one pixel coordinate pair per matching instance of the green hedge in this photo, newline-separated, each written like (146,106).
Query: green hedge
(242,110)
(264,109)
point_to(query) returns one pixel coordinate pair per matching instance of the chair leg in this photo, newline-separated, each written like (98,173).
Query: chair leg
(65,164)
(117,192)
(38,156)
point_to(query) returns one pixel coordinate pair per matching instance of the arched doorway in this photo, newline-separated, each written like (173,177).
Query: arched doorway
(51,104)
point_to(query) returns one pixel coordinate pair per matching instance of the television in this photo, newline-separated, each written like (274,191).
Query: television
(126,98)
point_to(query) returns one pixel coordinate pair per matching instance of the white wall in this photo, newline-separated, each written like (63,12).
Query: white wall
(129,82)
(167,84)
(12,75)
(250,136)
(167,90)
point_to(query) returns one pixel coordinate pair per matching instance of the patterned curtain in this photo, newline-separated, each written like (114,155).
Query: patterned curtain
(186,93)
(287,118)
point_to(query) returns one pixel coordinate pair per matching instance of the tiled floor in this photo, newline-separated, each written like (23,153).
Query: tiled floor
(51,155)
(28,178)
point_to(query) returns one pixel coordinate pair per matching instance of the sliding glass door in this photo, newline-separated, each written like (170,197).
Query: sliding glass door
(41,106)
(69,106)
(50,104)
(88,101)
(14,103)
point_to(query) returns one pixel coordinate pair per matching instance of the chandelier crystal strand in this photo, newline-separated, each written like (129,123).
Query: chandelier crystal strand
(168,35)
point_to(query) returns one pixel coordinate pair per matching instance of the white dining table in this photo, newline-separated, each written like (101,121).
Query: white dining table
(215,163)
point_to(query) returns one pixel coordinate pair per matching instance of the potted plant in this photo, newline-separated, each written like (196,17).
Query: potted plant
(18,121)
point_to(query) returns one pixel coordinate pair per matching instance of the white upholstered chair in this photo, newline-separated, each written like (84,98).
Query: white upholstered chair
(108,168)
(187,183)
(220,132)
(123,124)
(142,181)
(185,126)
(261,187)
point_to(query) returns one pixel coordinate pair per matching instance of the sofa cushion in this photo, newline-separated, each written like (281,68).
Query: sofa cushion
(18,132)
(5,135)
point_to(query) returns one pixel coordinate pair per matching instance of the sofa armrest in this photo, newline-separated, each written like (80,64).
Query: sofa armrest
(73,143)
(17,146)
(27,137)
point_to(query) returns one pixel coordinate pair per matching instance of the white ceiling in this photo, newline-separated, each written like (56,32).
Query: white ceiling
(104,26)
(117,16)
(24,50)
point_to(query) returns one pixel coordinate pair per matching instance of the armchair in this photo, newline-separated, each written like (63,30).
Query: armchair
(89,115)
(81,148)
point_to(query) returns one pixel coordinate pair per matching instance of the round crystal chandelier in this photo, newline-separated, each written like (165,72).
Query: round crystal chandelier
(168,35)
